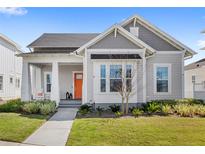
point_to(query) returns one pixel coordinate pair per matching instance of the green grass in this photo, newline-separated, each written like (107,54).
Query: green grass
(140,131)
(17,127)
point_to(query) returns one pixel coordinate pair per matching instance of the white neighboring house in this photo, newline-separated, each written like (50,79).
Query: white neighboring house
(195,80)
(88,65)
(10,69)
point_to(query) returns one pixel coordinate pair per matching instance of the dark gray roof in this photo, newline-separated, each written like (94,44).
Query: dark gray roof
(62,39)
(196,64)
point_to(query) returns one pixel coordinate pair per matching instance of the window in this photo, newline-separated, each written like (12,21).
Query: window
(11,80)
(1,82)
(193,78)
(103,78)
(48,82)
(17,83)
(115,78)
(129,77)
(162,83)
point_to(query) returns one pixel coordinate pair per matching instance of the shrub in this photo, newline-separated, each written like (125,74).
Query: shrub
(99,110)
(164,102)
(47,108)
(118,114)
(136,112)
(31,107)
(184,110)
(115,108)
(85,108)
(43,107)
(190,101)
(167,109)
(12,106)
(200,110)
(153,107)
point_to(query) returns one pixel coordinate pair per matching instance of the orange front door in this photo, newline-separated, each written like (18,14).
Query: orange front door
(78,81)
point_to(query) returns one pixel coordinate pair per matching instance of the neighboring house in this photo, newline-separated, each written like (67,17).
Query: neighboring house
(195,80)
(88,65)
(10,69)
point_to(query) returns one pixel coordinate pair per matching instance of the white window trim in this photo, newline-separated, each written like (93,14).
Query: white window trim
(1,91)
(103,78)
(11,76)
(169,78)
(45,83)
(107,64)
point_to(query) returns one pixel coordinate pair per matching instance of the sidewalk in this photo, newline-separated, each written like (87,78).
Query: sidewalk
(55,131)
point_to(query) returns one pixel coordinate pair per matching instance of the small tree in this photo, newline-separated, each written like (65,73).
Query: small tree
(126,87)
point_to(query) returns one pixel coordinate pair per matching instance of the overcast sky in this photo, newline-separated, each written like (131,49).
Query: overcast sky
(23,25)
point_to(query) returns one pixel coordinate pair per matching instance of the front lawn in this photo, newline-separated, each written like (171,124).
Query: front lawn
(17,127)
(140,131)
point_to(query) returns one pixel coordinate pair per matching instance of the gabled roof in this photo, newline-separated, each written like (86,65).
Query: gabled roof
(159,32)
(62,40)
(18,47)
(196,64)
(116,28)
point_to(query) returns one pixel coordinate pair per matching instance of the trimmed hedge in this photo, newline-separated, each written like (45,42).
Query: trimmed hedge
(14,105)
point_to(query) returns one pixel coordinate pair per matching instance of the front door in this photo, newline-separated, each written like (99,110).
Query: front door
(78,84)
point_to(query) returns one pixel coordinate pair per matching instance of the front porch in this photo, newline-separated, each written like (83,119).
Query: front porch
(59,81)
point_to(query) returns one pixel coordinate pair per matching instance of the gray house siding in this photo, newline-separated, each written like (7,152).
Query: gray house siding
(176,76)
(151,39)
(199,95)
(112,42)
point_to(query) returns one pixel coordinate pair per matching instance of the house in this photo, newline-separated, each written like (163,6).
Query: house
(10,69)
(195,80)
(90,65)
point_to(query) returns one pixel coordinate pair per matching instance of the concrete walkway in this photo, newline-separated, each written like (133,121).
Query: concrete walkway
(55,131)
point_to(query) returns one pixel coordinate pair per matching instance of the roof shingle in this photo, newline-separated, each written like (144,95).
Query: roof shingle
(62,40)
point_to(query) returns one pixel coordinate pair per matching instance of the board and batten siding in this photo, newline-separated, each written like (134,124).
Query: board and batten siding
(10,67)
(175,61)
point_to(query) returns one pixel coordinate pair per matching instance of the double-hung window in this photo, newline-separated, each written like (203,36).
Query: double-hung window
(115,78)
(129,78)
(48,82)
(162,78)
(1,82)
(103,78)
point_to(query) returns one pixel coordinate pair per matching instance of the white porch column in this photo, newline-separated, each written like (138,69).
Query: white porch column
(55,93)
(85,73)
(26,82)
(144,78)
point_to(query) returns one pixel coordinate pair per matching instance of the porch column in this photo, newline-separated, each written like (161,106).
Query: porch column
(144,78)
(85,73)
(55,93)
(26,82)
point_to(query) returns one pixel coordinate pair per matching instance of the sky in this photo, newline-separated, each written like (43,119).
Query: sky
(24,25)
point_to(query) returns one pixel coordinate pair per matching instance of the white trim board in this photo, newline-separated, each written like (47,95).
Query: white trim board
(169,78)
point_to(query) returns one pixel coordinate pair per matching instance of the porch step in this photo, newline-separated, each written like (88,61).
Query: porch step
(69,105)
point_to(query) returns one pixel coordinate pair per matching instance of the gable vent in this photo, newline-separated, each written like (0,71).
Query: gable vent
(134,31)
